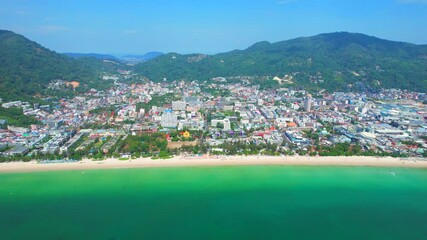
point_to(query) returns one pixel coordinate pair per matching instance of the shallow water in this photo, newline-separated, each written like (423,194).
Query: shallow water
(250,202)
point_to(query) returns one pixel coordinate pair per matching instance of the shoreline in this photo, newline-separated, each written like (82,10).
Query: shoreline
(209,161)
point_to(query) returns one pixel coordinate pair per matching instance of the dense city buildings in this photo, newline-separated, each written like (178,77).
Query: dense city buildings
(219,117)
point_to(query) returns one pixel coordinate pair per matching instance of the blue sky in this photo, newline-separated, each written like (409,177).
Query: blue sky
(204,26)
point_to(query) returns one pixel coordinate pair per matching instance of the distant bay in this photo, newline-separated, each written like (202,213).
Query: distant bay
(244,202)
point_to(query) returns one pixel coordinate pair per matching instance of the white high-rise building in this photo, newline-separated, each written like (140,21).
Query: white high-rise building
(307,103)
(169,119)
(179,105)
(227,124)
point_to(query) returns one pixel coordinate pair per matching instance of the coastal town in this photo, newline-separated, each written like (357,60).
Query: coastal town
(213,120)
(224,116)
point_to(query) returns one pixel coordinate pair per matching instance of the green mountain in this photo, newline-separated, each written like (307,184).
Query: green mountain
(335,61)
(140,58)
(92,55)
(26,68)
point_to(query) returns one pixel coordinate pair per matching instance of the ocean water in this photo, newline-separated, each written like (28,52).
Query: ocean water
(251,202)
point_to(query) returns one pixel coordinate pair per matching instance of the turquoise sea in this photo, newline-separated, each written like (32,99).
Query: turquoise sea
(250,202)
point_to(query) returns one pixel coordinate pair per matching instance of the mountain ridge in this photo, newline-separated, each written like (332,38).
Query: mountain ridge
(333,61)
(27,67)
(99,56)
(123,58)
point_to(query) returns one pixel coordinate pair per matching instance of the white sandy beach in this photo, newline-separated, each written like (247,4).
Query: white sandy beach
(180,161)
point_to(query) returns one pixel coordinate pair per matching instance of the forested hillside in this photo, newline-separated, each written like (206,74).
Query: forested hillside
(334,61)
(26,67)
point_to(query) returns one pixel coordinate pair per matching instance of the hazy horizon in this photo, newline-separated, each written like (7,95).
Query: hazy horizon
(209,27)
